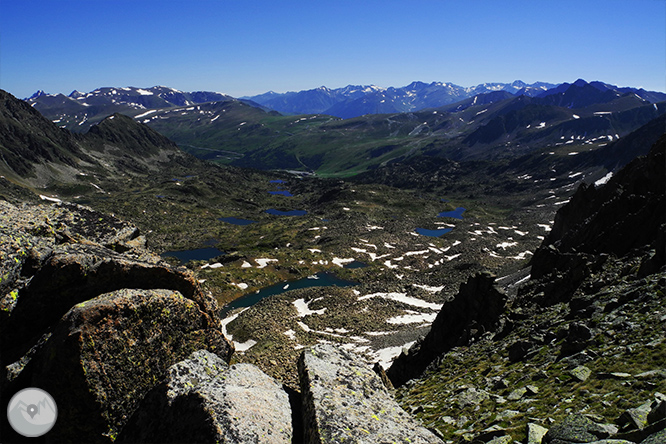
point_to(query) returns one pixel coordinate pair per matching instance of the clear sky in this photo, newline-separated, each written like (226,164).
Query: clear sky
(247,47)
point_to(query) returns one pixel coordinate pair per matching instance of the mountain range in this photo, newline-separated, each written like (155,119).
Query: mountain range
(498,121)
(84,109)
(353,101)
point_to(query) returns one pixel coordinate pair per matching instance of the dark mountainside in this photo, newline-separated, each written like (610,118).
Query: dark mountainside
(567,346)
(28,137)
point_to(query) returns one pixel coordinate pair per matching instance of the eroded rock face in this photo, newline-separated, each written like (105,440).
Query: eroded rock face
(345,401)
(476,309)
(204,400)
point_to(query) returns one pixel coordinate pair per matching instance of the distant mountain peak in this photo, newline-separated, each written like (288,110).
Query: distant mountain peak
(39,93)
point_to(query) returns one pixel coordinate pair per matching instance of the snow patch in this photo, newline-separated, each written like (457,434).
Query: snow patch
(604,180)
(402,297)
(340,262)
(303,308)
(263,262)
(428,288)
(244,346)
(413,318)
(385,356)
(145,114)
(49,199)
(416,253)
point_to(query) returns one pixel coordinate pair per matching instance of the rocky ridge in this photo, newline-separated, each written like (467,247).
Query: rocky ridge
(581,343)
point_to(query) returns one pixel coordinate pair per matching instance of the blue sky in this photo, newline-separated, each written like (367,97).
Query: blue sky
(246,47)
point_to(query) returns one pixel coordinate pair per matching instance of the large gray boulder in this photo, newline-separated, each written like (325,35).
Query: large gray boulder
(345,401)
(577,428)
(107,353)
(204,400)
(56,256)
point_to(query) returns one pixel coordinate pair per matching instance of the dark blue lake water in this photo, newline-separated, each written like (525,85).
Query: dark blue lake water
(277,181)
(286,213)
(237,221)
(433,233)
(282,193)
(200,254)
(322,279)
(456,214)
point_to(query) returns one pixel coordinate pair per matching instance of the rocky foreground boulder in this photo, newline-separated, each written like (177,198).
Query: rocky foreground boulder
(345,401)
(203,399)
(342,399)
(92,317)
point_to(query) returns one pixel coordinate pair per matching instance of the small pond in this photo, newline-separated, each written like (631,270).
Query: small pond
(321,279)
(237,221)
(356,264)
(277,181)
(456,214)
(433,233)
(200,254)
(286,213)
(282,193)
